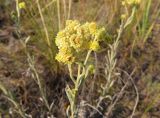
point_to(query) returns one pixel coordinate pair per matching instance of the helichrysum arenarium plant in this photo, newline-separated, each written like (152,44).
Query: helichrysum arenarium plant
(76,39)
(111,73)
(73,41)
(134,5)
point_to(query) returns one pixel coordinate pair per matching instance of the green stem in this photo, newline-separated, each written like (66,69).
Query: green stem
(18,13)
(79,70)
(77,84)
(74,104)
(69,11)
(87,57)
(130,19)
(71,73)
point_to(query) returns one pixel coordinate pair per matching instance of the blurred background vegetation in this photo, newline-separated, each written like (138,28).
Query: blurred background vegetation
(32,82)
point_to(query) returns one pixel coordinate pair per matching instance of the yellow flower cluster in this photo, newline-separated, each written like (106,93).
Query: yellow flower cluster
(65,55)
(131,2)
(22,5)
(76,38)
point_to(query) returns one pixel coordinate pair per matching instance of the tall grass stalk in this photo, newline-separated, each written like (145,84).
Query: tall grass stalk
(59,14)
(152,24)
(18,12)
(48,5)
(50,44)
(146,24)
(69,10)
(44,25)
(145,19)
(65,9)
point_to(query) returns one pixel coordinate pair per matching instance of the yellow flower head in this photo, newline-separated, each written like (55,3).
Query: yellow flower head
(65,55)
(71,26)
(22,5)
(93,28)
(75,39)
(123,16)
(94,45)
(62,40)
(92,69)
(99,34)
